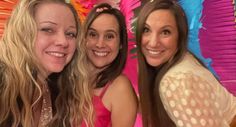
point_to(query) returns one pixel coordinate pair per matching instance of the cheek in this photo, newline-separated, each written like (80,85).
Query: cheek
(89,44)
(116,46)
(144,40)
(41,43)
(38,47)
(174,45)
(73,46)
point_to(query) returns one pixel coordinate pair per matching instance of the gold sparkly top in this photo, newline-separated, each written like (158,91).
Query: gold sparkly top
(46,111)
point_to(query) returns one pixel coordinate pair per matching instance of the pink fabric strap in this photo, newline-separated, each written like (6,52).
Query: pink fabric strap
(104,90)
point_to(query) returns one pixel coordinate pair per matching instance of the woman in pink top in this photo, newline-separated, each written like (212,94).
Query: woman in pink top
(114,99)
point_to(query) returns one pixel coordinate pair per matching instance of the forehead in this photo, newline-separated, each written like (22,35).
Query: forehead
(54,12)
(104,22)
(161,17)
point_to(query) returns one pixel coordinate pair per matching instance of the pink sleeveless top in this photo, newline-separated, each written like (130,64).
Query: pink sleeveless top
(102,114)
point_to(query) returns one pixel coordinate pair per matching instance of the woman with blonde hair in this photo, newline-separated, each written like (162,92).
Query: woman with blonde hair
(43,77)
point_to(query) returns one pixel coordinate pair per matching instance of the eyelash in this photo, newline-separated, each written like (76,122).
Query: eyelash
(109,36)
(71,34)
(95,35)
(92,34)
(166,32)
(48,30)
(145,30)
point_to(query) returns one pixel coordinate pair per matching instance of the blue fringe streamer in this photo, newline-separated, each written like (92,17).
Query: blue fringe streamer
(193,10)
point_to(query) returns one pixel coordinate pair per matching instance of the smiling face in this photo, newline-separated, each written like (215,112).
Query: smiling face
(56,37)
(103,41)
(159,37)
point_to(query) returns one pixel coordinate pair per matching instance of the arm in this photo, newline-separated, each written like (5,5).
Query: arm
(123,102)
(192,101)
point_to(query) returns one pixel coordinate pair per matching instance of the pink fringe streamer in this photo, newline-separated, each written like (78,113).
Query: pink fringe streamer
(218,40)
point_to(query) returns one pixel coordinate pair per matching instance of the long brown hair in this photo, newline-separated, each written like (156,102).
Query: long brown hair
(153,111)
(19,68)
(115,68)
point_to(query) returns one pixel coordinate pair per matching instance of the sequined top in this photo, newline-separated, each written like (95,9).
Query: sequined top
(193,97)
(46,111)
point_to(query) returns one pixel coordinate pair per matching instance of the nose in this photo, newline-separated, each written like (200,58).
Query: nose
(61,40)
(153,41)
(100,42)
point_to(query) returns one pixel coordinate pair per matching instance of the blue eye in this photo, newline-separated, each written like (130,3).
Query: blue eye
(48,30)
(71,34)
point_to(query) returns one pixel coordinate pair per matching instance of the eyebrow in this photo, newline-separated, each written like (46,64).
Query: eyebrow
(50,22)
(146,25)
(90,28)
(47,22)
(109,30)
(165,26)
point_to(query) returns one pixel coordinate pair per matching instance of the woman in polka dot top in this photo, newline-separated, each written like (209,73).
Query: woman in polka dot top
(175,87)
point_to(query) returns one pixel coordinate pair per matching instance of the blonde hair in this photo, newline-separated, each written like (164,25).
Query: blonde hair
(19,67)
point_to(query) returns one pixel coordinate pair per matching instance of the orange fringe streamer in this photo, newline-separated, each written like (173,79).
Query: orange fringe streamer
(6,7)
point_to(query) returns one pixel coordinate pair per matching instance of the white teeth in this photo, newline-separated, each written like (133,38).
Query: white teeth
(154,52)
(56,54)
(100,53)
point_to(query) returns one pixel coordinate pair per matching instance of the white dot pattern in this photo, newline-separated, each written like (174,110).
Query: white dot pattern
(180,123)
(191,101)
(203,122)
(176,113)
(188,125)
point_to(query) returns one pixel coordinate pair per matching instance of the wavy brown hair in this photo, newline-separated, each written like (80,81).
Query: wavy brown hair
(19,68)
(153,111)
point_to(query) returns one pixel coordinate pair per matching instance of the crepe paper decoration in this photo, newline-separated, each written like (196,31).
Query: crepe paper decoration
(218,39)
(6,7)
(234,2)
(127,7)
(81,9)
(113,3)
(84,6)
(193,10)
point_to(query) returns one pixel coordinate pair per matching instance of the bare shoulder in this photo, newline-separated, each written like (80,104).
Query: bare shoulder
(124,103)
(120,87)
(121,83)
(120,92)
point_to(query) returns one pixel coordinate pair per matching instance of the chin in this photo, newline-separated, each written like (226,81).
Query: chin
(56,70)
(154,63)
(100,66)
